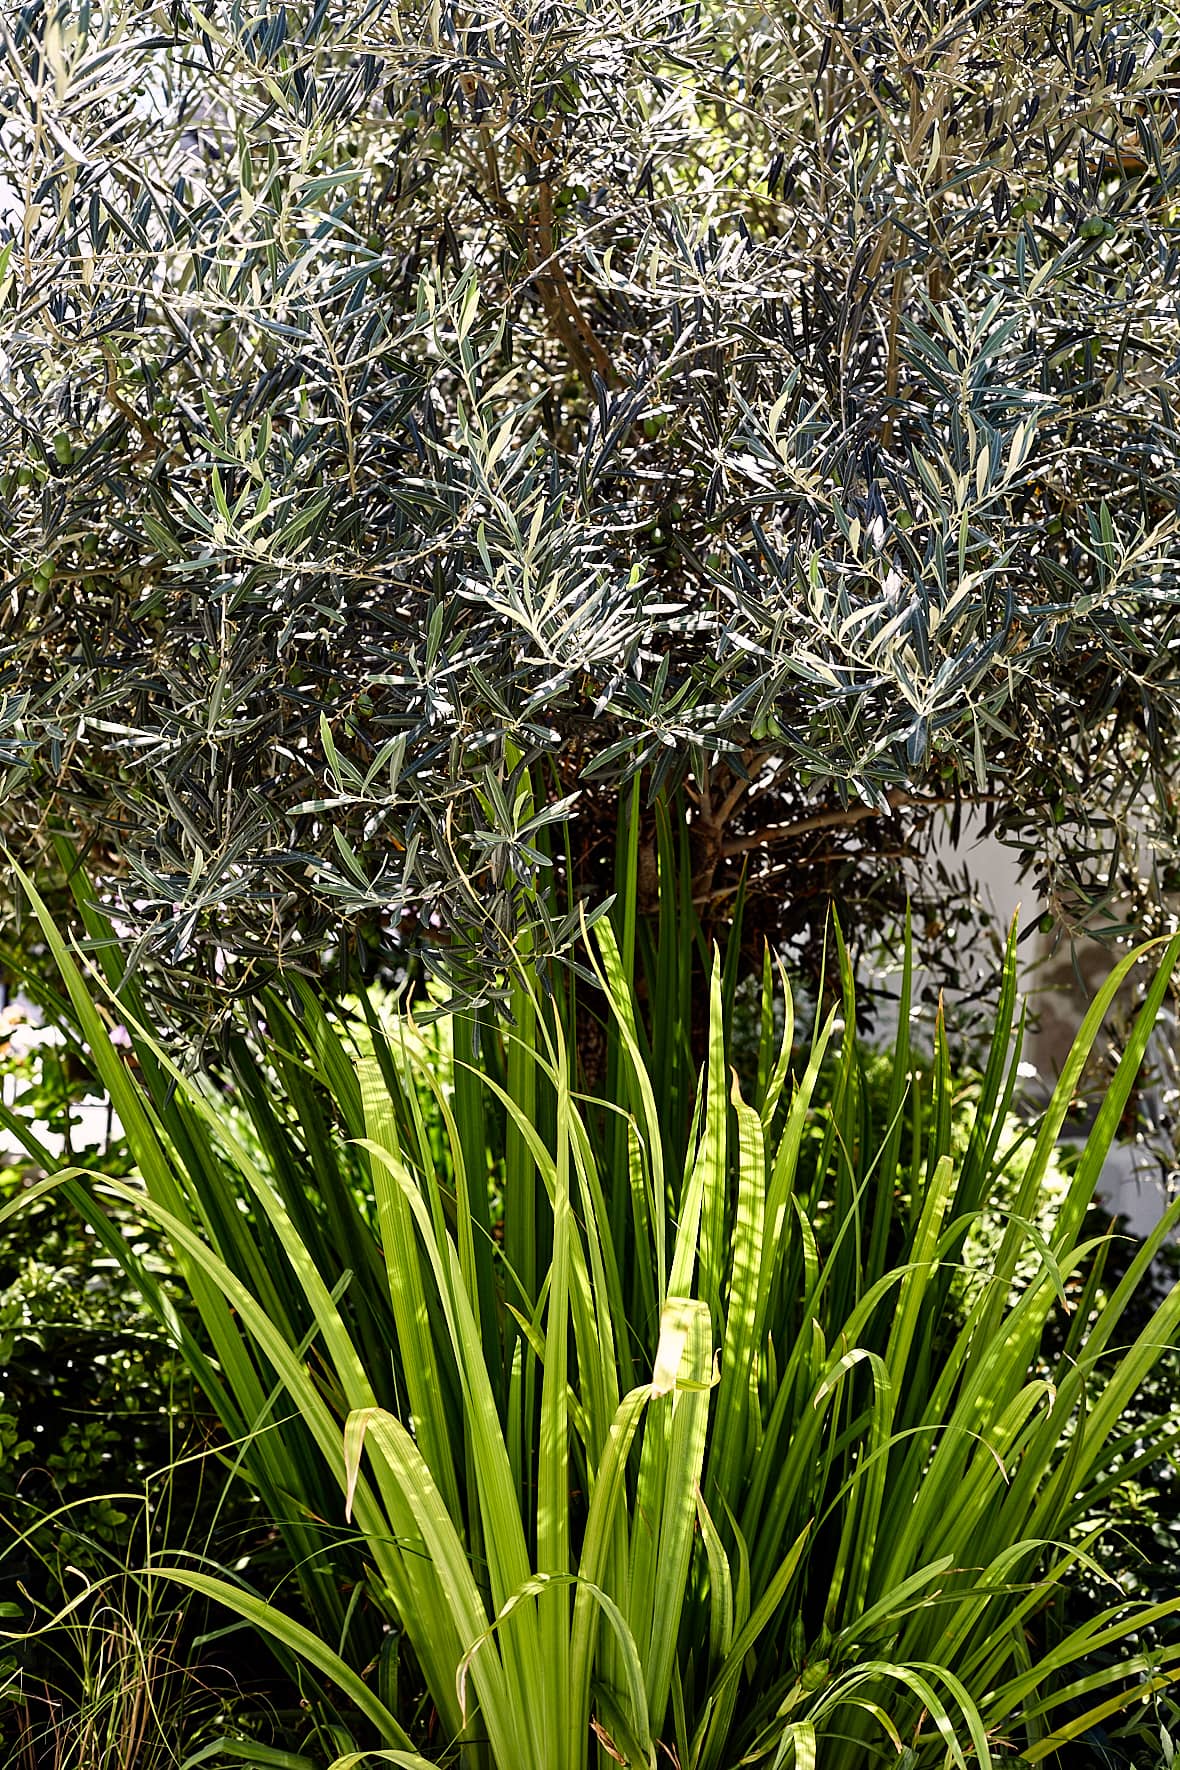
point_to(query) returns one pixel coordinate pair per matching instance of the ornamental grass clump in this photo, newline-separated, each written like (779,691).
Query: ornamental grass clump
(708,1453)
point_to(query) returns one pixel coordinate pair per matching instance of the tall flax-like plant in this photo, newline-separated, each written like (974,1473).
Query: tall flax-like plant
(190,1165)
(814,1497)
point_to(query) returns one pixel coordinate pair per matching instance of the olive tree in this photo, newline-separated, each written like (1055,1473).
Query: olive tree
(425,423)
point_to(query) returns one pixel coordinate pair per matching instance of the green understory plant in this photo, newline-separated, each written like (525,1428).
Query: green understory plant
(106,1668)
(733,1457)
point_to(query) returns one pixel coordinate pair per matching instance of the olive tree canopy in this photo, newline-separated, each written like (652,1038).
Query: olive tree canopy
(419,420)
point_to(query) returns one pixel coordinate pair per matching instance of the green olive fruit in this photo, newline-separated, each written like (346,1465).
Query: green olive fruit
(63,448)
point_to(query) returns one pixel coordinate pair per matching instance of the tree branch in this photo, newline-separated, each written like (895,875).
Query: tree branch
(753,762)
(842,819)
